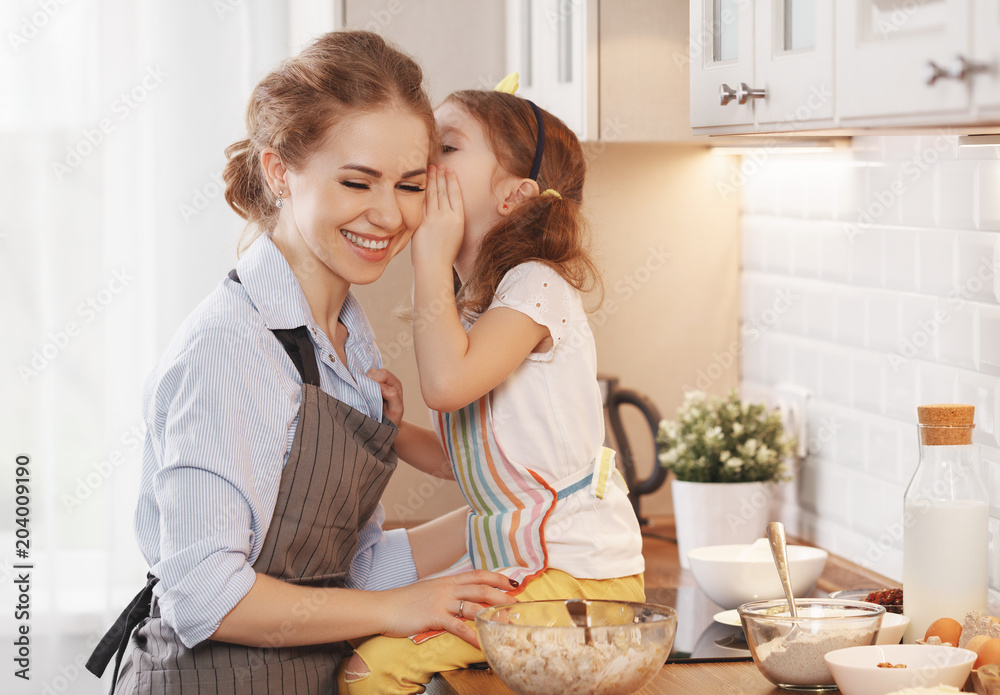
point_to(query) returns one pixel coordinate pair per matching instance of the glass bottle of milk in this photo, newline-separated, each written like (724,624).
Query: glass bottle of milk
(945,522)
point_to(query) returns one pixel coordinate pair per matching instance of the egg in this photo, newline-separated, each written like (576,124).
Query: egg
(989,653)
(946,629)
(976,642)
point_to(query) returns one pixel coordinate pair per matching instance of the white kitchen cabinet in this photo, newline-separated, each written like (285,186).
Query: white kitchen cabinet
(644,67)
(821,65)
(793,62)
(765,65)
(892,56)
(613,70)
(986,52)
(721,61)
(552,44)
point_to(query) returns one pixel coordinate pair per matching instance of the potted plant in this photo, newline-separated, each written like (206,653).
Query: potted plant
(726,455)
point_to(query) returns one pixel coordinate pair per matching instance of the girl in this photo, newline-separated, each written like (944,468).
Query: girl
(268,443)
(509,369)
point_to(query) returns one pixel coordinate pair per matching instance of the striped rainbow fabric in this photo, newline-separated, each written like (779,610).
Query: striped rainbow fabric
(510,503)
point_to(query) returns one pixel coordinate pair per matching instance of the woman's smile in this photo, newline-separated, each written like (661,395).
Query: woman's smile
(365,242)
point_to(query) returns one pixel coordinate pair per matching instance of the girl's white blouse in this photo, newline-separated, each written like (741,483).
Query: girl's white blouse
(548,416)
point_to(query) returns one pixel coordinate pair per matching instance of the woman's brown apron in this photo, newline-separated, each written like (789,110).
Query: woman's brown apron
(339,464)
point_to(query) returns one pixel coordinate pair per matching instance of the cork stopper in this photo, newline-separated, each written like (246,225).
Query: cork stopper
(946,424)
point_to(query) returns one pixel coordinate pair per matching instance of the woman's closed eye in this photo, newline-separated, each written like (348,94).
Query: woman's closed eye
(407,187)
(356,184)
(448,149)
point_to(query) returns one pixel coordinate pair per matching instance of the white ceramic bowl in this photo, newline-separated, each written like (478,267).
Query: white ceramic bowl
(856,672)
(735,574)
(893,627)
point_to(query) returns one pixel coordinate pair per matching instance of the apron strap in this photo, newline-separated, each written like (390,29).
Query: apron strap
(300,349)
(602,469)
(297,344)
(116,639)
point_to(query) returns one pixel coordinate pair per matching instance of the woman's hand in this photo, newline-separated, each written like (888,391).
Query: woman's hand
(438,239)
(392,393)
(434,604)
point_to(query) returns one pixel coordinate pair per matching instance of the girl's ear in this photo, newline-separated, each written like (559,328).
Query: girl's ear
(520,190)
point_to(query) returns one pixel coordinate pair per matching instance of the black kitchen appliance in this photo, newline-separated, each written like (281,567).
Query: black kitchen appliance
(614,398)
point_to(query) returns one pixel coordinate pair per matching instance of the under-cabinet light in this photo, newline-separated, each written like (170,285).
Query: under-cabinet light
(784,145)
(978,140)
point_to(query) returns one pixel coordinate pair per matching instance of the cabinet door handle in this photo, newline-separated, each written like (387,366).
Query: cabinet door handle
(959,68)
(744,93)
(726,94)
(933,72)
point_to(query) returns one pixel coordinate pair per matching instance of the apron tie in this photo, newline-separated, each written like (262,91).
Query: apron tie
(116,639)
(595,476)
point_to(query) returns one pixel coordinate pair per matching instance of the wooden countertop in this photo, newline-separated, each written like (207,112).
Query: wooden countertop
(663,571)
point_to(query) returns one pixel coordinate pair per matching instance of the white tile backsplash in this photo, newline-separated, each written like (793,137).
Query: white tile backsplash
(957,181)
(977,268)
(851,316)
(989,340)
(988,196)
(872,279)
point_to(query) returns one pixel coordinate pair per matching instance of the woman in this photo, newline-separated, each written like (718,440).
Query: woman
(268,443)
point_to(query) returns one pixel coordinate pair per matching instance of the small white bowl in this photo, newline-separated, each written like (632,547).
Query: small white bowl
(731,575)
(856,670)
(893,627)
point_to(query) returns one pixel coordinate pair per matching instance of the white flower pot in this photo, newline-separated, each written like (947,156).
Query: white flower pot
(719,513)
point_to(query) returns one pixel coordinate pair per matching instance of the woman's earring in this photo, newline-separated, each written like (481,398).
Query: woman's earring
(504,206)
(279,202)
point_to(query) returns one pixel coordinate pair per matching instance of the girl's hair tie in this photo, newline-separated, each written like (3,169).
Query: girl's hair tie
(554,194)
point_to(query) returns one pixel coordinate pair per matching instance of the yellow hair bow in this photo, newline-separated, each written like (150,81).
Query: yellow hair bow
(554,194)
(508,85)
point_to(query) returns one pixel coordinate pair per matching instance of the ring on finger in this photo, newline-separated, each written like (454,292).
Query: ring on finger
(461,607)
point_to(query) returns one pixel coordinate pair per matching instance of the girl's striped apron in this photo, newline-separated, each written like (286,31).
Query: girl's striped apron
(510,503)
(339,464)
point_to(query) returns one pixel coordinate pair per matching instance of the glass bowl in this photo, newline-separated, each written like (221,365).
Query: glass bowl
(536,648)
(789,651)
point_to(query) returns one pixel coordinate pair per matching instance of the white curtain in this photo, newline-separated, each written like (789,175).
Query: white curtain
(114,115)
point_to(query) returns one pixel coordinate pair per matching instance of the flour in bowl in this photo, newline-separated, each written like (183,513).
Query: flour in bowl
(799,660)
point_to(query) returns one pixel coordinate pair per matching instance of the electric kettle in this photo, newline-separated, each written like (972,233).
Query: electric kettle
(617,439)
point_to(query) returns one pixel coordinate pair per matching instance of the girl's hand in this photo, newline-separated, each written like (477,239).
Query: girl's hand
(439,237)
(392,393)
(434,604)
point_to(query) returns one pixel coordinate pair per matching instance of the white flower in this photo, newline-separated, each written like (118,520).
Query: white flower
(670,428)
(737,429)
(714,434)
(751,447)
(669,456)
(734,463)
(693,397)
(724,456)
